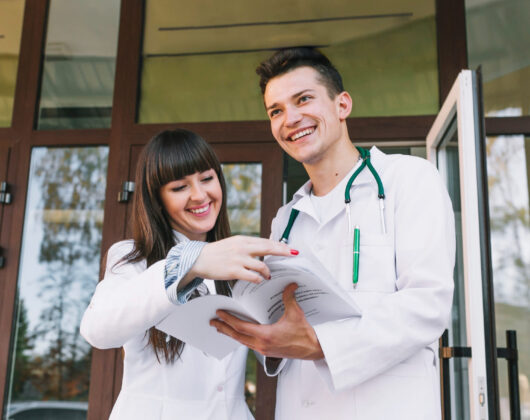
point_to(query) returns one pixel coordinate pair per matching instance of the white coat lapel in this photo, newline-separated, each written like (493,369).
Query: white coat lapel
(303,201)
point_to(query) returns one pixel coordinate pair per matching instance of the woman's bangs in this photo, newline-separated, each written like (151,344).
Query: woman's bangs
(179,162)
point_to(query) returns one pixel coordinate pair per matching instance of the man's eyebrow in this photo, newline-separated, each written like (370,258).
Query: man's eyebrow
(274,105)
(296,95)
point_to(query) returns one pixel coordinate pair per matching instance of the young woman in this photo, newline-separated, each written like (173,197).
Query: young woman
(179,224)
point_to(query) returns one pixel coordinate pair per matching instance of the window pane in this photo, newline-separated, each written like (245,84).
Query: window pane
(11,16)
(243,183)
(508,160)
(79,64)
(199,58)
(59,270)
(498,37)
(458,367)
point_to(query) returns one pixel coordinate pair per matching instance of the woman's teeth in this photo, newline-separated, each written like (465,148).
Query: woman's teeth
(201,210)
(301,134)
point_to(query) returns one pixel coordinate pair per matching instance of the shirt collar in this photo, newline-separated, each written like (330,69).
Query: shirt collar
(179,237)
(302,196)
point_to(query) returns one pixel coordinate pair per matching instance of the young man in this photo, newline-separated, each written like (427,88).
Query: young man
(383,364)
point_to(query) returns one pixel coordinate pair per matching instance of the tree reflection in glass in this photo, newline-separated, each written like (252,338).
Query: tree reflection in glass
(59,269)
(243,182)
(508,159)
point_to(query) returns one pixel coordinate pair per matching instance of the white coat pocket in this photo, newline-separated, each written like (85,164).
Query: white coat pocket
(377,268)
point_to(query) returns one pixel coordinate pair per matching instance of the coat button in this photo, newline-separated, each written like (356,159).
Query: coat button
(307,403)
(219,388)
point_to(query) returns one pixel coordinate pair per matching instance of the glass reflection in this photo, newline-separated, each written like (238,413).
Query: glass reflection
(243,181)
(508,160)
(11,16)
(199,59)
(243,184)
(59,268)
(79,64)
(497,40)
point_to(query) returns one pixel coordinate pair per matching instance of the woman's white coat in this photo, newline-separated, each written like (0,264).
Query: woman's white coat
(127,302)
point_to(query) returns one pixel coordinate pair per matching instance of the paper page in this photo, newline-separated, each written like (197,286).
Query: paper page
(317,295)
(190,323)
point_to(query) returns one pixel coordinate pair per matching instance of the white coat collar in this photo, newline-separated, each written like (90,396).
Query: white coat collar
(302,200)
(179,237)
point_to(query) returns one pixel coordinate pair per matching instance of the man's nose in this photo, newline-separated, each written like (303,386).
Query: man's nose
(292,116)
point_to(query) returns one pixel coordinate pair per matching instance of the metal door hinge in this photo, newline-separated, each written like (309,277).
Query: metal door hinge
(5,195)
(2,259)
(126,190)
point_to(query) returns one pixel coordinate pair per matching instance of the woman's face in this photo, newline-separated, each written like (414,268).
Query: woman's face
(193,203)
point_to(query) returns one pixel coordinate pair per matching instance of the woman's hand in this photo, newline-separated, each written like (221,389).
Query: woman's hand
(234,258)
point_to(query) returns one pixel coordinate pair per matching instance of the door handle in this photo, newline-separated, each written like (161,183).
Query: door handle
(511,355)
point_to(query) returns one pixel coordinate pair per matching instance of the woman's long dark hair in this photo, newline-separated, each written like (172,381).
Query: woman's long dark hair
(168,156)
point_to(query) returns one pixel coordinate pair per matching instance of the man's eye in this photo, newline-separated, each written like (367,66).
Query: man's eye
(304,98)
(274,112)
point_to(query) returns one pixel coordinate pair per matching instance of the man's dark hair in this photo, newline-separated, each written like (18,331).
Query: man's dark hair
(288,59)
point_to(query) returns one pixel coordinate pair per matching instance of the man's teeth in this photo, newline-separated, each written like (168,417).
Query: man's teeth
(201,210)
(301,134)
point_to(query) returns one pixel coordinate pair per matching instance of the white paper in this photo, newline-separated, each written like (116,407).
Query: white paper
(317,295)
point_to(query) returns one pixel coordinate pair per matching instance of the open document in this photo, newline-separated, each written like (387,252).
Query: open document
(318,296)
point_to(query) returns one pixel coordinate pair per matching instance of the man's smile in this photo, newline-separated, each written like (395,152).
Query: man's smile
(300,133)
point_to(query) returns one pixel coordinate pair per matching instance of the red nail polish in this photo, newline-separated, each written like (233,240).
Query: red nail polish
(294,252)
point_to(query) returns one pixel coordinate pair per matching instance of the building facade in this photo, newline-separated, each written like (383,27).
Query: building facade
(84,85)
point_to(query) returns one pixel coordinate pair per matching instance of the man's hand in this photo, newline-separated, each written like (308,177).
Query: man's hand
(290,337)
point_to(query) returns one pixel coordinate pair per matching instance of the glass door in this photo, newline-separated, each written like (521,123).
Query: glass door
(508,164)
(455,145)
(49,363)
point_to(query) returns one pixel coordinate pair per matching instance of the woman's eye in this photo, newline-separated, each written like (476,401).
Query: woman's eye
(177,189)
(207,179)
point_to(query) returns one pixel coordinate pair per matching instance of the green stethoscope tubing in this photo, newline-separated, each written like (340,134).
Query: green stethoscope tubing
(365,156)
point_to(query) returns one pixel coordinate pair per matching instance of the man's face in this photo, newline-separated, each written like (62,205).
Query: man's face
(305,121)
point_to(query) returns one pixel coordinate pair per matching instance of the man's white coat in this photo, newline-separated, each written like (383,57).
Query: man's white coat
(384,364)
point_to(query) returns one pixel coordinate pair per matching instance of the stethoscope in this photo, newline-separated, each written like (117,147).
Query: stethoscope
(365,157)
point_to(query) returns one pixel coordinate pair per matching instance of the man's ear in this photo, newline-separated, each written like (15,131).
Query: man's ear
(345,105)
